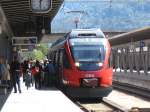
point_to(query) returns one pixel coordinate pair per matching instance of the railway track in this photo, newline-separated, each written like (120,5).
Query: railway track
(136,90)
(108,105)
(145,93)
(94,105)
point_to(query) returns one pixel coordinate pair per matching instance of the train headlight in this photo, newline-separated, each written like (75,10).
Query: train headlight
(65,82)
(77,64)
(100,64)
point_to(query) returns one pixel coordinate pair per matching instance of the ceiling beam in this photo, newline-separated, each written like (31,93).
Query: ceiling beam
(19,8)
(14,2)
(15,5)
(17,20)
(19,15)
(16,8)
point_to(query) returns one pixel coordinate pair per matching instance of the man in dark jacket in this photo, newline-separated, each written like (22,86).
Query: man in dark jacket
(15,72)
(51,73)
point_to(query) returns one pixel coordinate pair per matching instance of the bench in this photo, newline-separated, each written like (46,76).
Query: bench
(3,88)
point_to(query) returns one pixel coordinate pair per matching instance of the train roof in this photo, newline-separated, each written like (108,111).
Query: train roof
(81,33)
(87,32)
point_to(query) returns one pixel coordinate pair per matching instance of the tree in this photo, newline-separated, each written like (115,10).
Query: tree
(38,55)
(43,48)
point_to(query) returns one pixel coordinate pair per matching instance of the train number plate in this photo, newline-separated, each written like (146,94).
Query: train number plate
(90,82)
(89,75)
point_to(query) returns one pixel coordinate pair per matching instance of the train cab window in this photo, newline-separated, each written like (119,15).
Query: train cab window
(66,63)
(95,53)
(89,57)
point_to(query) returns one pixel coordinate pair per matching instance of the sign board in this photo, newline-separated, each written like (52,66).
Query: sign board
(24,41)
(142,43)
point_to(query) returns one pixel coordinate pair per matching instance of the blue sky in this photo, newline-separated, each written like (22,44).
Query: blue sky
(109,15)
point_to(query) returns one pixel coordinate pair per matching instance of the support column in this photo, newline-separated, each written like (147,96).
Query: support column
(47,25)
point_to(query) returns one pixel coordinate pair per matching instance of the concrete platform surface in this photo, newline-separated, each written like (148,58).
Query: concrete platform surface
(32,100)
(127,101)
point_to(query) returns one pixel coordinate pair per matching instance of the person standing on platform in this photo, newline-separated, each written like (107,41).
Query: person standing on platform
(6,74)
(46,78)
(25,67)
(1,69)
(37,76)
(15,72)
(51,73)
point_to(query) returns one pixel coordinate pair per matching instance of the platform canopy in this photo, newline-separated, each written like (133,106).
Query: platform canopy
(132,36)
(23,21)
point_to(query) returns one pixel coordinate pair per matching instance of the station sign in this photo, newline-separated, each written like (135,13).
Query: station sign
(24,41)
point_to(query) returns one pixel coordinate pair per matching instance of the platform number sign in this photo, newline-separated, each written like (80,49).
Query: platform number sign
(17,41)
(41,6)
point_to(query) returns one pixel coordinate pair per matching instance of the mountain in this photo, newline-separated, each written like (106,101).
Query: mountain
(109,15)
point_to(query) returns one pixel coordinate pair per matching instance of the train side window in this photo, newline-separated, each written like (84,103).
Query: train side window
(54,57)
(66,63)
(61,56)
(57,59)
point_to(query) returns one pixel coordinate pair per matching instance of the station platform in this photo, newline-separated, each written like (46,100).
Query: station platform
(44,100)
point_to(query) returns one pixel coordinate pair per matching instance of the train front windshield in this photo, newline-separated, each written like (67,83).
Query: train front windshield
(88,56)
(88,53)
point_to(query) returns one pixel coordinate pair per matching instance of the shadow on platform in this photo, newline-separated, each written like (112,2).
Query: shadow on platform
(3,98)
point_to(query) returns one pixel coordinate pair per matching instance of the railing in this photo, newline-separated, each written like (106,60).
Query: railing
(125,59)
(130,58)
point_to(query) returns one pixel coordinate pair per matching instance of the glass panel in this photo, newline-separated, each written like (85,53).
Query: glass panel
(88,53)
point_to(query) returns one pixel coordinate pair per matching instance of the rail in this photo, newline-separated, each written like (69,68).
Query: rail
(97,105)
(134,60)
(141,91)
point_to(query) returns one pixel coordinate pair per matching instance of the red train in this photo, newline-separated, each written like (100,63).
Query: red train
(81,59)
